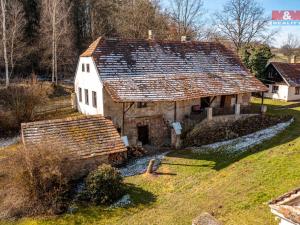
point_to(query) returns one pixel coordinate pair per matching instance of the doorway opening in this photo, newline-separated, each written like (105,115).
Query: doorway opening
(143,134)
(205,102)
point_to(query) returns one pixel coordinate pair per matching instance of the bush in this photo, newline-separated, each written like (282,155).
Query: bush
(103,186)
(58,91)
(21,102)
(40,181)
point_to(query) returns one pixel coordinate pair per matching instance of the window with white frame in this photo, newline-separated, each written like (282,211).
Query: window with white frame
(94,98)
(86,94)
(297,90)
(87,67)
(275,89)
(80,94)
(82,67)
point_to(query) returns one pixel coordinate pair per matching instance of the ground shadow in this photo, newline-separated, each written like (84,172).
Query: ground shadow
(139,196)
(223,160)
(164,174)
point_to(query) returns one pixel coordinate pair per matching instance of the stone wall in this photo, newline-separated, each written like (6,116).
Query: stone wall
(157,115)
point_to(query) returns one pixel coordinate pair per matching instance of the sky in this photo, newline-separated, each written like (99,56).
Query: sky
(211,6)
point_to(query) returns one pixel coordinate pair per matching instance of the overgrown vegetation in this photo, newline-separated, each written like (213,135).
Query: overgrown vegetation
(37,181)
(18,104)
(29,100)
(42,180)
(214,132)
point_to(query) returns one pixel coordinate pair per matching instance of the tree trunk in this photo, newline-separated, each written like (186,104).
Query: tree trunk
(3,9)
(53,42)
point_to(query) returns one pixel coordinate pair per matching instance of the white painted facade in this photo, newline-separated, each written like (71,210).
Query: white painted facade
(282,92)
(90,81)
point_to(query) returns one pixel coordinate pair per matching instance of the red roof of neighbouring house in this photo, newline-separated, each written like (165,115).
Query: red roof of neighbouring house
(290,72)
(82,136)
(147,70)
(288,205)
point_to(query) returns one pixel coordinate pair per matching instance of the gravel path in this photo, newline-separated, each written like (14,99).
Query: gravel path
(139,166)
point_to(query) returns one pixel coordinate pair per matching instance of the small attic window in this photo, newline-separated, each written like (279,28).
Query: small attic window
(88,67)
(82,67)
(141,105)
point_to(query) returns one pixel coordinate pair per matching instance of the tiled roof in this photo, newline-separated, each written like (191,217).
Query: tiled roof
(83,136)
(288,205)
(147,70)
(289,71)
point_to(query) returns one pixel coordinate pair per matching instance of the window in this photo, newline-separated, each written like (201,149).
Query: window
(88,68)
(297,90)
(80,94)
(94,95)
(275,89)
(82,67)
(86,92)
(142,104)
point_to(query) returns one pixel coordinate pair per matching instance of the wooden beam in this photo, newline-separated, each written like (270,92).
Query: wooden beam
(175,111)
(212,100)
(123,119)
(262,98)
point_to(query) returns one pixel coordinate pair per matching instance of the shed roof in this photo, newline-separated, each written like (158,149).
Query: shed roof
(288,205)
(82,136)
(147,70)
(290,72)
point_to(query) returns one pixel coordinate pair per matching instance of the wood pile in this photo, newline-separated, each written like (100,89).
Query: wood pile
(135,152)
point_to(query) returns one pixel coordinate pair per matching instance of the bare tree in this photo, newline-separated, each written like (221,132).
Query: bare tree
(13,24)
(4,40)
(242,22)
(16,25)
(135,17)
(186,14)
(290,46)
(55,26)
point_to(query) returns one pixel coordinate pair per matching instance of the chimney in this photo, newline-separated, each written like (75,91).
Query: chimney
(293,59)
(150,36)
(183,38)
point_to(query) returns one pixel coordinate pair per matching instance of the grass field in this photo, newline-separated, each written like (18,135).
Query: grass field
(235,189)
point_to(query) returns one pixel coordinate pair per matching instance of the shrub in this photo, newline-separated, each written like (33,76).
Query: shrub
(22,100)
(58,91)
(39,180)
(104,185)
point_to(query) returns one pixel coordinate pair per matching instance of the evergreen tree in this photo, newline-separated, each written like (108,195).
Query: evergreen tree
(255,58)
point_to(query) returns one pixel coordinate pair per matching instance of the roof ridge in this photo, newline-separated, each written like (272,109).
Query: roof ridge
(62,120)
(90,50)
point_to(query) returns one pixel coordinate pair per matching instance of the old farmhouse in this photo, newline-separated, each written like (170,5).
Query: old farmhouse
(283,81)
(144,86)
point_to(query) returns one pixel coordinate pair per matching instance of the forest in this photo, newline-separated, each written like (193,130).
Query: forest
(45,37)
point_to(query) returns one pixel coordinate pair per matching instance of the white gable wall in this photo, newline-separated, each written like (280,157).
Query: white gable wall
(292,96)
(91,82)
(285,92)
(282,94)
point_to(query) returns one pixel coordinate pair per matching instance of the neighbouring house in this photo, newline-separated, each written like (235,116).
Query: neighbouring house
(144,86)
(287,208)
(283,81)
(92,139)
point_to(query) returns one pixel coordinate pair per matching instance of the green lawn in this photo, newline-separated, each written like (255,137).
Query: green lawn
(234,189)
